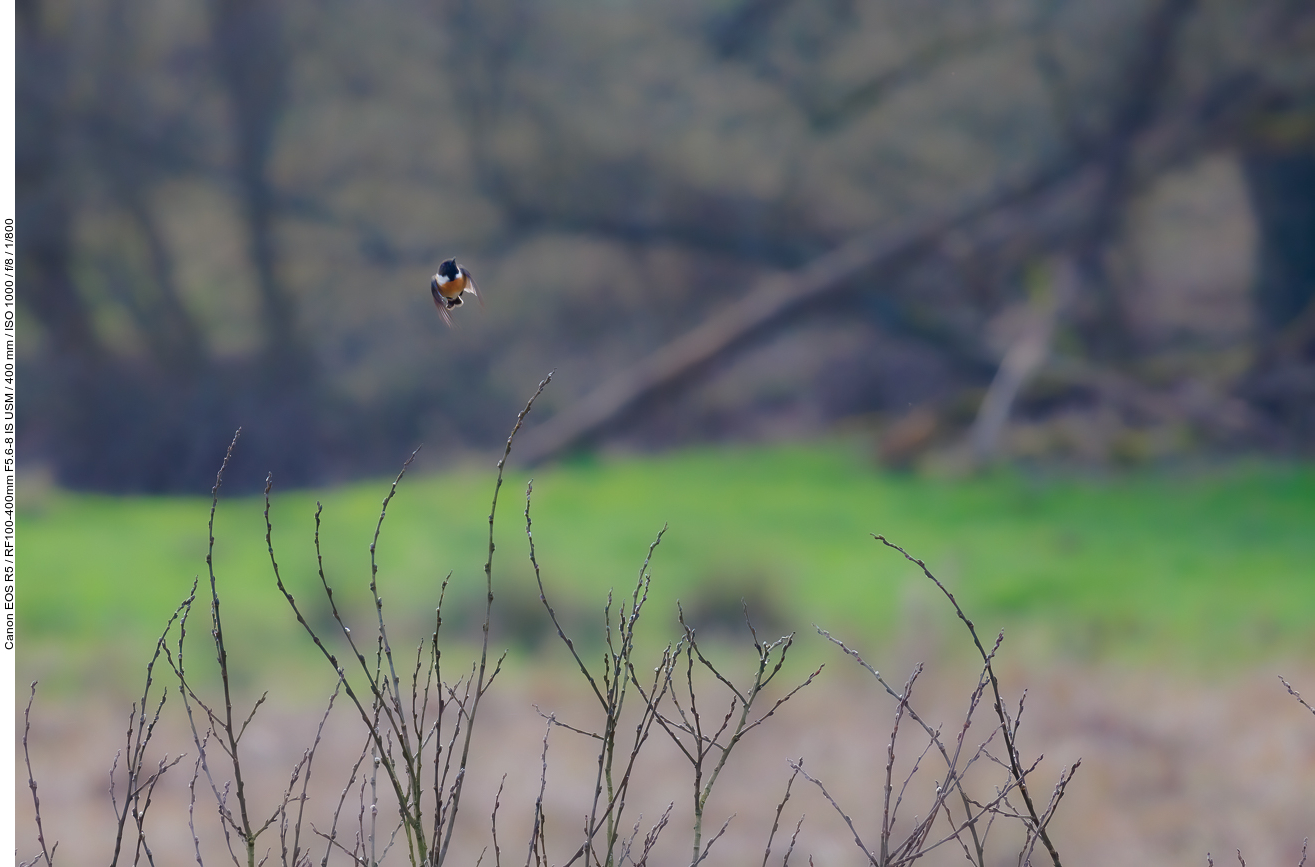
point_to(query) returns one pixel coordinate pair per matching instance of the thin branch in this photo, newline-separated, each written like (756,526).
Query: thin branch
(1014,766)
(1292,692)
(47,854)
(776,822)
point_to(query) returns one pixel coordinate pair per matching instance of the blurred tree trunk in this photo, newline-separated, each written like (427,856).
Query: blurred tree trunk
(44,179)
(251,54)
(280,411)
(1102,320)
(1282,382)
(175,339)
(1282,187)
(137,147)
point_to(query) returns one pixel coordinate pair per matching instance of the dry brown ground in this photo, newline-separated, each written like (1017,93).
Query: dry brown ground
(1173,766)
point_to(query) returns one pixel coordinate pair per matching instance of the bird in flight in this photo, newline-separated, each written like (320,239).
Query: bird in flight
(449,284)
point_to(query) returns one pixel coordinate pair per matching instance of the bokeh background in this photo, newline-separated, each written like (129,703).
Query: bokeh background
(1026,285)
(232,210)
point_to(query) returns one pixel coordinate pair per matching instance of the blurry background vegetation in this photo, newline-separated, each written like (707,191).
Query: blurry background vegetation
(229,212)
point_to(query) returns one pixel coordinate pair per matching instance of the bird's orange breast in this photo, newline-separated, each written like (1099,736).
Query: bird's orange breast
(453,287)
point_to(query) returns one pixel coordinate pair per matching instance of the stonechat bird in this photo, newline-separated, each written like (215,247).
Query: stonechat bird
(449,284)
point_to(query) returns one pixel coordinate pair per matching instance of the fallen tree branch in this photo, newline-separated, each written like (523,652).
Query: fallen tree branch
(779,296)
(774,299)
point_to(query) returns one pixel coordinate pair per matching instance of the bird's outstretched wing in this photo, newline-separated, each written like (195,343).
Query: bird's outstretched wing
(440,303)
(474,287)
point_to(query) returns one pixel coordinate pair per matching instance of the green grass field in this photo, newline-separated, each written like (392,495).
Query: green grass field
(1199,567)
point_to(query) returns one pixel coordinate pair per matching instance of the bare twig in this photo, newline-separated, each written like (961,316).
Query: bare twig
(46,854)
(849,823)
(1292,692)
(609,687)
(776,822)
(536,834)
(497,802)
(650,839)
(887,815)
(141,782)
(706,752)
(1012,753)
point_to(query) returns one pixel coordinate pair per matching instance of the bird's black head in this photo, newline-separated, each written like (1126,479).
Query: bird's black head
(448,269)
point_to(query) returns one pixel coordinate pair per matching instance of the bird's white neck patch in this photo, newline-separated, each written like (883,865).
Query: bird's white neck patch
(441,279)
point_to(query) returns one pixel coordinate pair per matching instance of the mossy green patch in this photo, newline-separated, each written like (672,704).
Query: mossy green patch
(1204,566)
